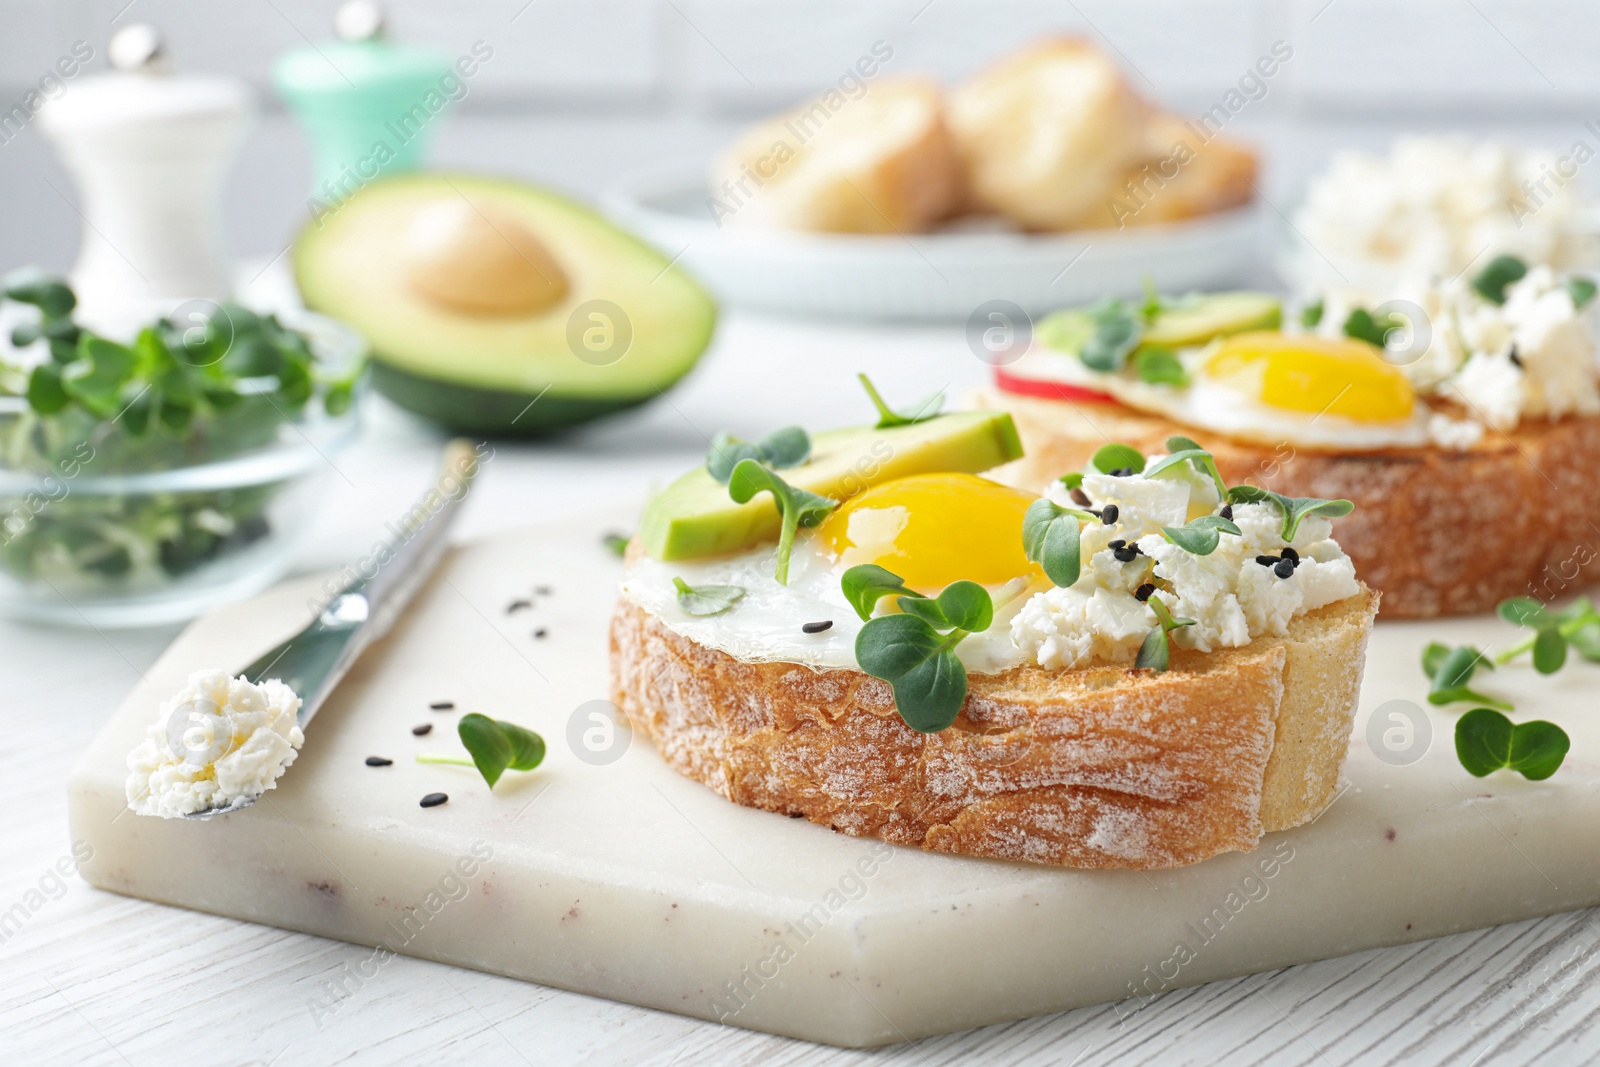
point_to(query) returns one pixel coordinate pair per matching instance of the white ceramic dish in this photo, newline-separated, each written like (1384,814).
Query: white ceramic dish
(947,275)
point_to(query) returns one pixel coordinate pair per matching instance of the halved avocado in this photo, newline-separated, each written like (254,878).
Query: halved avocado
(694,516)
(1187,322)
(498,307)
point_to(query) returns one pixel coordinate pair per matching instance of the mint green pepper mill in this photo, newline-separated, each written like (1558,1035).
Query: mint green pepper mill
(369,106)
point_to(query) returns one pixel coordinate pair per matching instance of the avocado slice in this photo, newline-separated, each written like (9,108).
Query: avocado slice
(1190,322)
(694,516)
(1214,315)
(478,298)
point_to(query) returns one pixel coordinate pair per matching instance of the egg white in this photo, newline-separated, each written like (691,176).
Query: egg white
(764,625)
(1208,404)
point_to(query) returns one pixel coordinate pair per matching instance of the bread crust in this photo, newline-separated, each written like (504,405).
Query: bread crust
(1105,767)
(881,163)
(1438,532)
(1047,132)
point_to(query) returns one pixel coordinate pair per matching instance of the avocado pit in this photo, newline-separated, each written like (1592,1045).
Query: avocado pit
(475,259)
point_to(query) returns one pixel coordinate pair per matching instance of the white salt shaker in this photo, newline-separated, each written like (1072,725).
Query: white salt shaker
(147,149)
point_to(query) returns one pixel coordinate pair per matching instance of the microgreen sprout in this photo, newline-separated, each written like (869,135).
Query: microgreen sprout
(787,447)
(796,507)
(1156,651)
(927,408)
(1576,625)
(495,746)
(706,599)
(915,649)
(1487,741)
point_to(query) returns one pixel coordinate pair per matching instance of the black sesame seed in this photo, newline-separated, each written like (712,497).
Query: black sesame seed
(1126,555)
(1080,498)
(1284,568)
(378,761)
(423,730)
(1142,593)
(1109,515)
(1227,512)
(1121,472)
(433,800)
(1118,543)
(540,632)
(1516,360)
(443,705)
(797,815)
(1267,561)
(518,605)
(1291,555)
(542,590)
(816,627)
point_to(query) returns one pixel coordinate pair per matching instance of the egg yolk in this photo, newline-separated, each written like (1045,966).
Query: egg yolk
(933,529)
(1319,375)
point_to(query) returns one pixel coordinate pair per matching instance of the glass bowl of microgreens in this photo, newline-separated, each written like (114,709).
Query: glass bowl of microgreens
(150,474)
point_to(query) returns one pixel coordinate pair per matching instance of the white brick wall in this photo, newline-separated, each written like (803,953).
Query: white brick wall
(581,92)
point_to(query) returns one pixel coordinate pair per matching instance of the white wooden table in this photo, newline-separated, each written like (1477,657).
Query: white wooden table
(88,977)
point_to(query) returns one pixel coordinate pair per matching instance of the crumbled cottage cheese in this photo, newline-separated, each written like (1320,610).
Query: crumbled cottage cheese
(1232,598)
(1431,207)
(217,740)
(1471,342)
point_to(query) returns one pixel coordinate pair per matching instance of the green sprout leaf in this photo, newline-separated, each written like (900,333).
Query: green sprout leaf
(1116,333)
(1451,670)
(1491,282)
(1361,326)
(1524,611)
(1117,457)
(616,542)
(1487,741)
(1577,624)
(1182,451)
(920,665)
(1156,650)
(1581,290)
(1072,480)
(787,447)
(50,295)
(867,583)
(1200,536)
(922,412)
(962,605)
(706,599)
(45,393)
(1151,307)
(1050,538)
(796,507)
(1293,508)
(495,746)
(1311,315)
(1549,650)
(1159,366)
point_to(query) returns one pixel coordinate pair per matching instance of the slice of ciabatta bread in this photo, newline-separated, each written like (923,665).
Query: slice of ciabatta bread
(1184,175)
(883,162)
(1103,767)
(1047,132)
(1438,532)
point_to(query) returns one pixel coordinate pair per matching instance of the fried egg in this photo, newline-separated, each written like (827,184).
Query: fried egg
(1271,388)
(930,529)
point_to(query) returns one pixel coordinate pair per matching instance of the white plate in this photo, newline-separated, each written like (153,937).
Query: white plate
(947,275)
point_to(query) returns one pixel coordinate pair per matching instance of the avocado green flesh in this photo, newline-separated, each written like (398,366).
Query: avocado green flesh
(1211,316)
(694,516)
(467,370)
